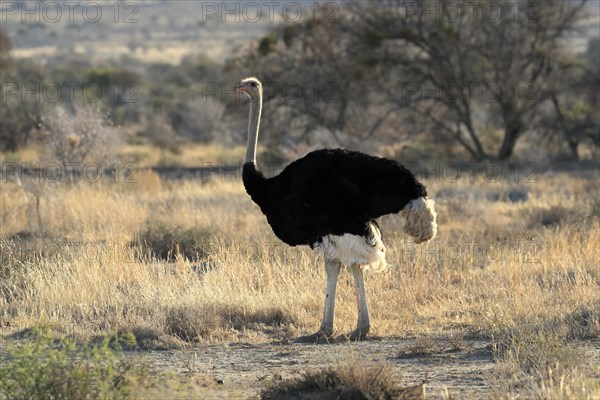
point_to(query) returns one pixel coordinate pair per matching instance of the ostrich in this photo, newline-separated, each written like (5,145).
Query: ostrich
(329,200)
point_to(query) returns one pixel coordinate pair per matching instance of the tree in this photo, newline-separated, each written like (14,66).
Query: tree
(577,108)
(312,83)
(20,109)
(458,57)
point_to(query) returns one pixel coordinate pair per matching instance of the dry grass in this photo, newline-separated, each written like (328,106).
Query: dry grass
(147,155)
(496,268)
(422,346)
(190,155)
(356,381)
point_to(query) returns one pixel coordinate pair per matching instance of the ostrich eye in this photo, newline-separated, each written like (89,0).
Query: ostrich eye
(253,84)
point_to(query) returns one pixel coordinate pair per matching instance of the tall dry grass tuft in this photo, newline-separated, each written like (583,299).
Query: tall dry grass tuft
(355,381)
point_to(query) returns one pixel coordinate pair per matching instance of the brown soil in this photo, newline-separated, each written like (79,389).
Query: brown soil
(243,370)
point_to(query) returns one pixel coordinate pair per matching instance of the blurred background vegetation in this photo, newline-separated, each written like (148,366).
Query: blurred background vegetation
(517,82)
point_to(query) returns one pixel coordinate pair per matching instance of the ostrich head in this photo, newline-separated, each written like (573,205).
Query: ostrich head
(252,88)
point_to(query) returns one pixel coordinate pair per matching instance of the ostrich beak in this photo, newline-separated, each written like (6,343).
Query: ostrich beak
(242,88)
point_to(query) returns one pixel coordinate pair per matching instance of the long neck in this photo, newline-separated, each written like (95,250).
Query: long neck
(253,125)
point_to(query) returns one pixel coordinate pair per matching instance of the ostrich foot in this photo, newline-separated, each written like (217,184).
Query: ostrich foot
(322,336)
(359,334)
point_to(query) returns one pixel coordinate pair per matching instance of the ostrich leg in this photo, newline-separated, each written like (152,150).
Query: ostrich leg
(363,325)
(332,268)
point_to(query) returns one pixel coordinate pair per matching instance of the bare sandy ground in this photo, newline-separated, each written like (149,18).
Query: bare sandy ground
(245,369)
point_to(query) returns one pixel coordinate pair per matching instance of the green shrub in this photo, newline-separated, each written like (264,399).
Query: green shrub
(48,367)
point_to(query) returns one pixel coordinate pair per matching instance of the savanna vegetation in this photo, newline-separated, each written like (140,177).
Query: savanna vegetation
(125,259)
(185,262)
(357,75)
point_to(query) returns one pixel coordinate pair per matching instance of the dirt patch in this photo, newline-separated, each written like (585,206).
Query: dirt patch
(243,370)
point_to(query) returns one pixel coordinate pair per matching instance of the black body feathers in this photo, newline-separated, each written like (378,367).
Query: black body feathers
(330,191)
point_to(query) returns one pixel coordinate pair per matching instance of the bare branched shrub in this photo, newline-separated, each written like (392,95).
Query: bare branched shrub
(86,135)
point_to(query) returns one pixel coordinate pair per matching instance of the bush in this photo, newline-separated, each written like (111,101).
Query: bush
(202,120)
(161,134)
(18,122)
(47,367)
(84,136)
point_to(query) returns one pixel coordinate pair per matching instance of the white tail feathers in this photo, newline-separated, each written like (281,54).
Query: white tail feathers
(420,215)
(368,252)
